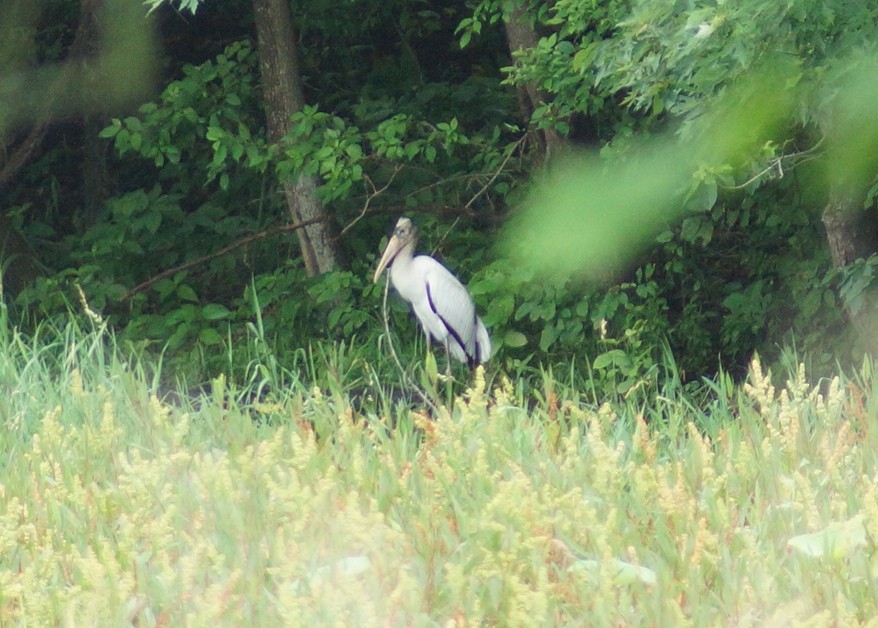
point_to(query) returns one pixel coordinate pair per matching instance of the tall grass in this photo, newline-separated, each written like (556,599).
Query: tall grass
(750,506)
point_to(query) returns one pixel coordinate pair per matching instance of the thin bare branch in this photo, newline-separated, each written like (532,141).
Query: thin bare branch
(776,165)
(253,237)
(496,174)
(483,189)
(375,192)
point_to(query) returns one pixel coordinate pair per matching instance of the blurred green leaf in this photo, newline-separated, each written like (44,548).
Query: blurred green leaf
(620,571)
(853,126)
(837,540)
(592,214)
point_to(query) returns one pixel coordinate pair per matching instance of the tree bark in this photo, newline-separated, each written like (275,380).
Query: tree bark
(851,235)
(520,35)
(19,265)
(279,66)
(849,232)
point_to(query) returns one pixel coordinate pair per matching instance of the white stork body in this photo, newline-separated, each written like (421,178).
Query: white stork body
(443,306)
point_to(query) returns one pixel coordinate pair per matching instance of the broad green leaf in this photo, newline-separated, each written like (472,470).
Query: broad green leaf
(186,293)
(514,339)
(431,367)
(852,153)
(215,312)
(210,336)
(837,540)
(111,130)
(620,571)
(548,337)
(592,215)
(584,57)
(608,358)
(152,221)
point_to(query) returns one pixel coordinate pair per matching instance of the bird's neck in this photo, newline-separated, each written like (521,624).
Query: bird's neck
(405,255)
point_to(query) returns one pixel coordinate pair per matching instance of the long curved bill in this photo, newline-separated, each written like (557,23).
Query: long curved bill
(393,247)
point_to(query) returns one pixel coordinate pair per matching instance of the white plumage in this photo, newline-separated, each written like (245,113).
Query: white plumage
(443,306)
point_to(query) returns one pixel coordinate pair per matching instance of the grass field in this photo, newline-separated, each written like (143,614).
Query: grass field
(754,506)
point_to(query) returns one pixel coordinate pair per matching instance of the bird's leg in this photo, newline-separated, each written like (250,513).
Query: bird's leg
(428,342)
(449,380)
(447,360)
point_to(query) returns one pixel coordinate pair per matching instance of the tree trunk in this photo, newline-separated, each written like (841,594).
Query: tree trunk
(18,262)
(851,235)
(520,35)
(279,65)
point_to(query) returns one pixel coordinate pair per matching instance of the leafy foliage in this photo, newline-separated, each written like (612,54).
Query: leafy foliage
(203,147)
(414,109)
(741,115)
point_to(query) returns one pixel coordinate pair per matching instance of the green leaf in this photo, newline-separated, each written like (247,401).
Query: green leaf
(514,339)
(164,288)
(837,540)
(215,312)
(186,293)
(152,220)
(665,236)
(547,338)
(111,130)
(501,308)
(590,214)
(354,151)
(210,336)
(220,153)
(584,57)
(608,358)
(180,332)
(620,571)
(430,367)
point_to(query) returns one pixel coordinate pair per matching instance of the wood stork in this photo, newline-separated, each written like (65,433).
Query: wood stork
(443,306)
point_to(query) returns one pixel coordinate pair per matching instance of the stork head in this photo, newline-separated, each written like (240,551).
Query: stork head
(404,234)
